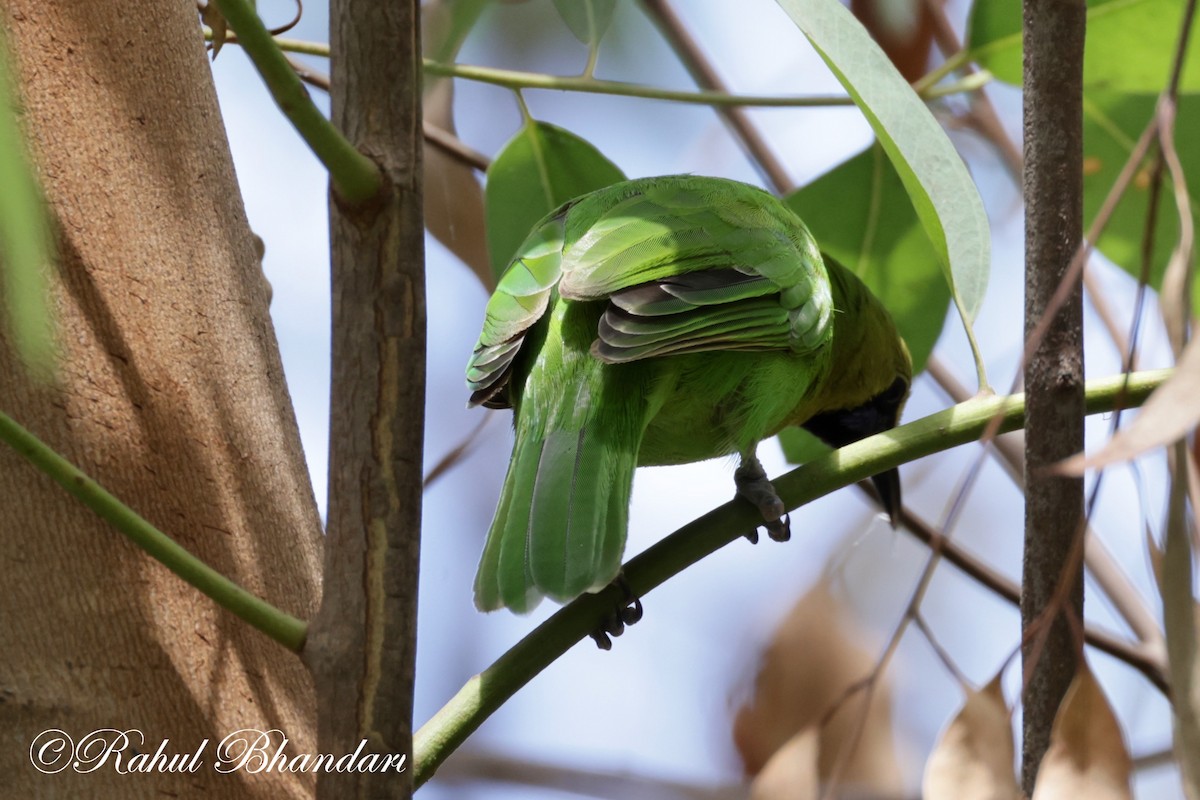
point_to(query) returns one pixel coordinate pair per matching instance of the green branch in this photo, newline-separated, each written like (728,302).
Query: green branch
(957,425)
(512,79)
(280,626)
(355,177)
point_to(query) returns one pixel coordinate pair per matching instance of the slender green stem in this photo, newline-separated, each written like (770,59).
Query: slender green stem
(931,78)
(355,177)
(514,79)
(280,626)
(532,80)
(968,83)
(959,424)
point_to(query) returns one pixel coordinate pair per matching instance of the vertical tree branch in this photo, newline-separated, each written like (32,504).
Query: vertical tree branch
(1053,188)
(363,641)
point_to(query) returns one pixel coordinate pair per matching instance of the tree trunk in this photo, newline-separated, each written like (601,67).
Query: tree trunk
(170,393)
(1052,596)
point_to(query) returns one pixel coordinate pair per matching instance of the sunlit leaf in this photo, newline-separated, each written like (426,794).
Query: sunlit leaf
(1112,123)
(25,239)
(1167,416)
(973,758)
(933,174)
(1130,43)
(861,215)
(587,19)
(1087,757)
(540,168)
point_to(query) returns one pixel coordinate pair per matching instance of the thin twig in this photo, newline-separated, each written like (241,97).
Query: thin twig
(513,79)
(309,75)
(456,453)
(451,145)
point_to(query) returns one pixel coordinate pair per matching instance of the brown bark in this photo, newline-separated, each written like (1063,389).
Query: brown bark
(1054,520)
(362,645)
(170,392)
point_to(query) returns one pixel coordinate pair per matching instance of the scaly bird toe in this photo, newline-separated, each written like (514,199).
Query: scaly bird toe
(753,486)
(628,612)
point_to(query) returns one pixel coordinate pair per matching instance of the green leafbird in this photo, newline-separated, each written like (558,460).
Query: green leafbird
(663,321)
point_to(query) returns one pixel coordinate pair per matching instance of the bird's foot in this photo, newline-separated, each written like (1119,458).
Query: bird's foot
(629,612)
(753,486)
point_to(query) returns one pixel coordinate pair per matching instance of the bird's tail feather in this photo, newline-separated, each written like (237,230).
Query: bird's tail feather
(559,529)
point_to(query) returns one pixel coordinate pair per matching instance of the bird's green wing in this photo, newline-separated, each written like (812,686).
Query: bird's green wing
(691,264)
(688,264)
(521,298)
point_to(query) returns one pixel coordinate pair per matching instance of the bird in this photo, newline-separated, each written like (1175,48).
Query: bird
(659,321)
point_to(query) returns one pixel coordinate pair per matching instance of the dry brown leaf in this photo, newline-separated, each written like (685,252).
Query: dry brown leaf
(973,759)
(211,16)
(811,661)
(1167,416)
(791,773)
(1087,757)
(1180,622)
(904,31)
(453,195)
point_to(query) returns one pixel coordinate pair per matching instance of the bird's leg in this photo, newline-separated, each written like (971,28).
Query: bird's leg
(627,613)
(752,485)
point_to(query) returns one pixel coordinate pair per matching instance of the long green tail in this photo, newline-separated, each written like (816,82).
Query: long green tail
(559,529)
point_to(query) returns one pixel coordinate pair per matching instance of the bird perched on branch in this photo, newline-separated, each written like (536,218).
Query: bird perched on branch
(663,321)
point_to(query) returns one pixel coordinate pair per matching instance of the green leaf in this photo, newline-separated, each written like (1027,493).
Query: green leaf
(540,168)
(587,19)
(25,240)
(933,175)
(1112,122)
(1130,43)
(445,25)
(861,215)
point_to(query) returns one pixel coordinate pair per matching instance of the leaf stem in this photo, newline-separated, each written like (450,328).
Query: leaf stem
(513,79)
(959,424)
(355,177)
(279,625)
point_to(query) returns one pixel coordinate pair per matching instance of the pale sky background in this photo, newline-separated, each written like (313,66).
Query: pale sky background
(660,704)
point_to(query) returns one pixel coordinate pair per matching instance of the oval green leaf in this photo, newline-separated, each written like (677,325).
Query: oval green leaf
(540,168)
(861,215)
(934,176)
(1112,123)
(1130,43)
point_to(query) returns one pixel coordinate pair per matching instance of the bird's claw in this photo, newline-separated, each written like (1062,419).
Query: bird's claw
(753,486)
(780,530)
(629,612)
